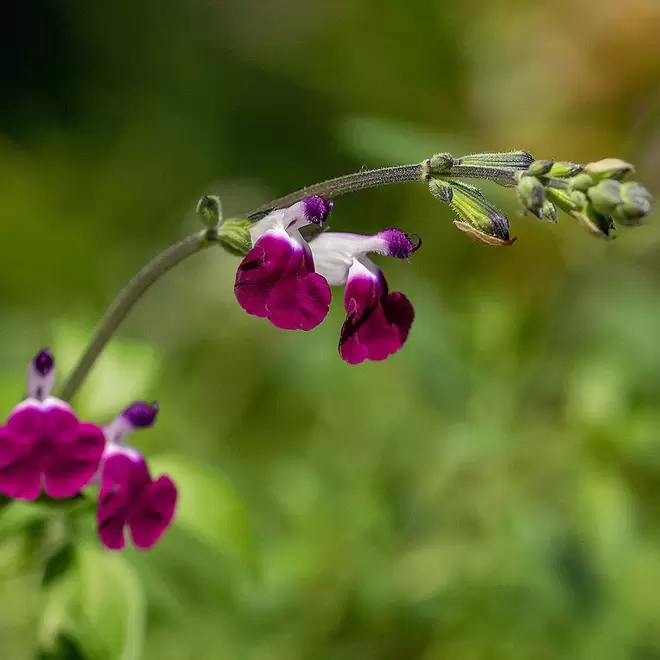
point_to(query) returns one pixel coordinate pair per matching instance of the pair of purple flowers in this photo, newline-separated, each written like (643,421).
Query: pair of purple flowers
(43,445)
(287,280)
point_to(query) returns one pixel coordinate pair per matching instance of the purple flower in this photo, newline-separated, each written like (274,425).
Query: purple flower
(276,280)
(129,497)
(377,321)
(43,444)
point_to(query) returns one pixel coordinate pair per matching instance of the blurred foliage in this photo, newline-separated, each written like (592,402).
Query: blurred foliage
(492,491)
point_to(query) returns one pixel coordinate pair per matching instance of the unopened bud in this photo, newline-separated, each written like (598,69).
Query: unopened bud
(581,182)
(439,164)
(510,160)
(608,168)
(479,219)
(540,167)
(549,211)
(635,206)
(209,211)
(596,223)
(531,194)
(605,196)
(565,170)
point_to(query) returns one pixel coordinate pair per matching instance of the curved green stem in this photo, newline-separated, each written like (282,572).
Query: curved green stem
(125,301)
(198,241)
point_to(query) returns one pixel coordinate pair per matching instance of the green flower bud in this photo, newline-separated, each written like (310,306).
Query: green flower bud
(578,199)
(549,211)
(441,190)
(635,205)
(234,236)
(209,210)
(565,170)
(581,182)
(540,167)
(605,196)
(439,164)
(597,224)
(478,218)
(608,168)
(531,194)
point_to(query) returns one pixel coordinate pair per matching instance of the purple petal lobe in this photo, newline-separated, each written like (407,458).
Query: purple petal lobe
(129,498)
(153,514)
(276,280)
(74,461)
(377,322)
(20,470)
(141,414)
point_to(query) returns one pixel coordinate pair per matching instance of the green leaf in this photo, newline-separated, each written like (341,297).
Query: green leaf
(208,507)
(109,611)
(17,515)
(59,564)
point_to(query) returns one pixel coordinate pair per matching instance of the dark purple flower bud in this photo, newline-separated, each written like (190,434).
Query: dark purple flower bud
(317,209)
(44,362)
(140,414)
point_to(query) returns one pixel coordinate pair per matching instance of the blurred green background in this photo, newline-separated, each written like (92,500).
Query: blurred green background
(493,490)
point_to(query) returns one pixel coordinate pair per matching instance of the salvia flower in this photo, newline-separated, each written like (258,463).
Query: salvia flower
(43,445)
(377,321)
(276,279)
(129,498)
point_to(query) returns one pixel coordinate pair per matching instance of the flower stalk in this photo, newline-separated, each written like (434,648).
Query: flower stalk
(542,187)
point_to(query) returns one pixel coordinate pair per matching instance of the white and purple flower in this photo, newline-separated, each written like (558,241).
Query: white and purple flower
(129,497)
(276,280)
(377,321)
(287,280)
(43,444)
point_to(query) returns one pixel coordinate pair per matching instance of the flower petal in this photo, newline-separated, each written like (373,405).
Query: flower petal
(20,471)
(299,302)
(74,462)
(261,269)
(153,513)
(377,322)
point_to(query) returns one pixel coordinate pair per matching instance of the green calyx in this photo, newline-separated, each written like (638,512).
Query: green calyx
(234,237)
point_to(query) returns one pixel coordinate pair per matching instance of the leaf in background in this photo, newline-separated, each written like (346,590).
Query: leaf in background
(208,506)
(59,564)
(109,611)
(18,515)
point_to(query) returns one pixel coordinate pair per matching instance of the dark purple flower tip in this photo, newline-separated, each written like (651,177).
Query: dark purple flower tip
(141,414)
(44,362)
(317,209)
(399,244)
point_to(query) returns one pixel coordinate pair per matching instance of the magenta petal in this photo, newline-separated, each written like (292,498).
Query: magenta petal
(377,322)
(400,312)
(299,303)
(260,271)
(20,474)
(153,514)
(75,460)
(114,500)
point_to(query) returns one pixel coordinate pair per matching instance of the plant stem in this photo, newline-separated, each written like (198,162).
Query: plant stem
(198,241)
(345,184)
(125,301)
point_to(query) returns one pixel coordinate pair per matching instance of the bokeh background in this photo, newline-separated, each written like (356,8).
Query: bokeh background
(493,490)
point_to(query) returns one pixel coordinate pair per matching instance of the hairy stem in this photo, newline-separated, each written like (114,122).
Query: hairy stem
(198,241)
